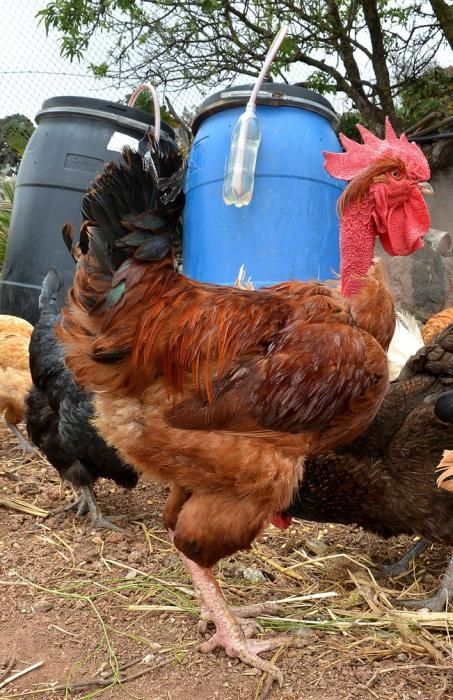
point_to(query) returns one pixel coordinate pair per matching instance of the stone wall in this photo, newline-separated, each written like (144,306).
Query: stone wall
(423,282)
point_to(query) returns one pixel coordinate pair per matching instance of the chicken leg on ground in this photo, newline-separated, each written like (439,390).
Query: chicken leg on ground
(86,503)
(26,446)
(402,565)
(245,615)
(229,633)
(439,601)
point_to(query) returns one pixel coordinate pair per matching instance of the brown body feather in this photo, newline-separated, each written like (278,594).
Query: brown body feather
(436,323)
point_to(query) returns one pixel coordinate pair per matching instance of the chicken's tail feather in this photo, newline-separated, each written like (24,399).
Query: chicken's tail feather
(51,297)
(131,213)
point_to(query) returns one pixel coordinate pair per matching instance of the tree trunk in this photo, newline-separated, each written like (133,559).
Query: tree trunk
(444,14)
(379,59)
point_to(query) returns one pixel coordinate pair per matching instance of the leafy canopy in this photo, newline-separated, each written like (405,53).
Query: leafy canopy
(368,50)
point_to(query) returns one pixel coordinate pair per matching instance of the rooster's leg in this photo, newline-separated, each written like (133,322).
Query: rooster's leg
(24,444)
(229,634)
(86,503)
(402,565)
(245,615)
(439,601)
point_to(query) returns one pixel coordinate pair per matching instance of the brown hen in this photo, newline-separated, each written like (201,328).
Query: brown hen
(224,392)
(15,379)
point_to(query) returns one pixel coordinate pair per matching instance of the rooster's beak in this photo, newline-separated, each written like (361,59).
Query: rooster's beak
(425,188)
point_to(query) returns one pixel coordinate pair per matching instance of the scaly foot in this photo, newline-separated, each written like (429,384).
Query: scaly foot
(439,601)
(80,506)
(244,614)
(229,633)
(86,503)
(26,447)
(402,565)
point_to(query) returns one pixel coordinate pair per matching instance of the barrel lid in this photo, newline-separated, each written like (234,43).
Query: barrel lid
(273,94)
(115,112)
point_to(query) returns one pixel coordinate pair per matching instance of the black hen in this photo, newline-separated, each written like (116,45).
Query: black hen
(59,413)
(385,481)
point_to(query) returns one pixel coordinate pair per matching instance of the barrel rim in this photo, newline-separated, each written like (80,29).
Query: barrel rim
(270,94)
(113,112)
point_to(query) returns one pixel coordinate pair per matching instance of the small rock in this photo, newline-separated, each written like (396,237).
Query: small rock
(131,574)
(42,606)
(253,575)
(116,537)
(317,547)
(136,556)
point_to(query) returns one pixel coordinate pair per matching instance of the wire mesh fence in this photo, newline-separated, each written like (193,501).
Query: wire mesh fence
(32,68)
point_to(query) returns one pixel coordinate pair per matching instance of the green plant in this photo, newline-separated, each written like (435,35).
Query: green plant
(7,187)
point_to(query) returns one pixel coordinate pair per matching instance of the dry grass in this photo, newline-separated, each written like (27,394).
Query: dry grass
(327,586)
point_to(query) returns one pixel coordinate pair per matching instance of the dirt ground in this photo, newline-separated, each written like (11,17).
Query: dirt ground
(113,615)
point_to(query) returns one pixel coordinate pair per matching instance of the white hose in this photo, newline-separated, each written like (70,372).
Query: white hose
(151,89)
(269,58)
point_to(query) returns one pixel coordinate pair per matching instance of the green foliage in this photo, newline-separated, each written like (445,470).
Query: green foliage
(16,140)
(145,102)
(431,92)
(368,50)
(6,206)
(15,130)
(348,124)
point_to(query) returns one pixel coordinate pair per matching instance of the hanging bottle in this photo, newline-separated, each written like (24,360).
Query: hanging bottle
(245,140)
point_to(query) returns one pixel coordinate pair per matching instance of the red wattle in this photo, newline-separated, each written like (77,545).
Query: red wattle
(405,224)
(281,521)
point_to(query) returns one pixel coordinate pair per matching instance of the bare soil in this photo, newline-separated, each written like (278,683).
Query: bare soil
(72,599)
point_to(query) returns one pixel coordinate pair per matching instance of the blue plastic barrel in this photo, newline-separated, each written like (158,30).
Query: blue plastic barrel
(290,228)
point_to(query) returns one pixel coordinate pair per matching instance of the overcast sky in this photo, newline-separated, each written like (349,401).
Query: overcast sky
(31,68)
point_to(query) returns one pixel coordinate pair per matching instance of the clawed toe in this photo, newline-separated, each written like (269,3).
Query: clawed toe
(102,521)
(437,603)
(248,650)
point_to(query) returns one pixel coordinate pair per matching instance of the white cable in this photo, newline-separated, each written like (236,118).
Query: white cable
(151,89)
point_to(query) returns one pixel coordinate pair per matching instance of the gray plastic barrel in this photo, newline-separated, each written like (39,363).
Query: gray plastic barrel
(75,137)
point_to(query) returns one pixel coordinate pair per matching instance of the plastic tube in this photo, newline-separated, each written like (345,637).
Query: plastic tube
(156,106)
(245,141)
(273,49)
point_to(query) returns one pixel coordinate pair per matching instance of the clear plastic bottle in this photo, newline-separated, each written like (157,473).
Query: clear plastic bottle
(245,141)
(240,172)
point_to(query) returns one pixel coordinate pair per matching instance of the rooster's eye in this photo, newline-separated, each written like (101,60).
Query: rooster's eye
(395,173)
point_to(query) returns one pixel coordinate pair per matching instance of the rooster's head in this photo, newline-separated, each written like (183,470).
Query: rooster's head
(388,176)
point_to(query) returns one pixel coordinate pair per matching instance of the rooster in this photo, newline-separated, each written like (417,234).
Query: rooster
(15,379)
(224,392)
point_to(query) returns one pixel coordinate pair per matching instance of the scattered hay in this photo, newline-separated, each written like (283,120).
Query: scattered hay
(22,506)
(327,587)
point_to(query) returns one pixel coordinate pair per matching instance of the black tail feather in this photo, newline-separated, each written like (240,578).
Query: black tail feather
(133,207)
(52,294)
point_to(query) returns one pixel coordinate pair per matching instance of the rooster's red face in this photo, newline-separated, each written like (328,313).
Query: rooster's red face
(400,212)
(390,174)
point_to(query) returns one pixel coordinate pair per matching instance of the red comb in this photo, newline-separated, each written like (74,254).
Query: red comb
(359,156)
